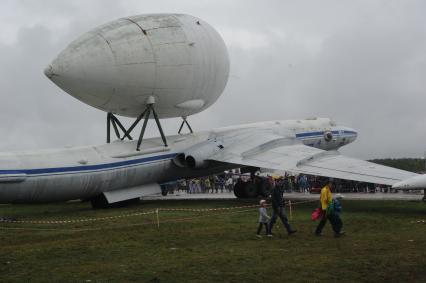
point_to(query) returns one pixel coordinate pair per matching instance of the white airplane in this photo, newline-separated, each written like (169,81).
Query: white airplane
(415,183)
(169,65)
(115,172)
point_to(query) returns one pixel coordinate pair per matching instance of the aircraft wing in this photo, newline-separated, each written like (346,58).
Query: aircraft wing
(289,154)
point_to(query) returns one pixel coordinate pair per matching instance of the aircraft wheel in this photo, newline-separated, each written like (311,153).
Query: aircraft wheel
(250,189)
(99,202)
(164,191)
(265,190)
(239,190)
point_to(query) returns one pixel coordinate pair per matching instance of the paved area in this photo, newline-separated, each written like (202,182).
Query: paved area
(297,196)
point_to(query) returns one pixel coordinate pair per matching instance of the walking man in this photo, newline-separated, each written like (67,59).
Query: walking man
(278,209)
(326,200)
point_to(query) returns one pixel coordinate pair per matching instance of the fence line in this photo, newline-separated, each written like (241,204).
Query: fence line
(155,212)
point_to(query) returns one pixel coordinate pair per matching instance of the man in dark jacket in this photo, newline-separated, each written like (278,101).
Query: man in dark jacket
(277,200)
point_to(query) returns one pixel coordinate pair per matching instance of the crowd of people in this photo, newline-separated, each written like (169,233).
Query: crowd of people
(224,183)
(203,185)
(313,184)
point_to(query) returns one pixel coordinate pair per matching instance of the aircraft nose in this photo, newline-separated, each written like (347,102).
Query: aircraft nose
(352,132)
(416,182)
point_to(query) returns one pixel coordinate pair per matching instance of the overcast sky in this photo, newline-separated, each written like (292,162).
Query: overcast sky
(362,63)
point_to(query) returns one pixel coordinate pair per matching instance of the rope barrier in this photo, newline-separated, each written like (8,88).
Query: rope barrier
(156,212)
(302,202)
(73,221)
(207,209)
(173,220)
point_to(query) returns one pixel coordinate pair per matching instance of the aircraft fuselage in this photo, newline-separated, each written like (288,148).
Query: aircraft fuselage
(86,172)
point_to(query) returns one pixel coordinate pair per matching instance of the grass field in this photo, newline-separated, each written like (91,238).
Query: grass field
(385,241)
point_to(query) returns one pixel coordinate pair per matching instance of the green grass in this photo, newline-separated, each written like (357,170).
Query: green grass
(383,243)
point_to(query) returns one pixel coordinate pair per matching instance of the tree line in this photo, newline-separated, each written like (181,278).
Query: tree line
(409,164)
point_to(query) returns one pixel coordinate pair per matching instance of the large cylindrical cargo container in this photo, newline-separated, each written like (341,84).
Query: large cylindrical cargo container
(178,61)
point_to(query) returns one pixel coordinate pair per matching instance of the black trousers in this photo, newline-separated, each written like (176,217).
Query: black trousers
(259,228)
(279,212)
(335,221)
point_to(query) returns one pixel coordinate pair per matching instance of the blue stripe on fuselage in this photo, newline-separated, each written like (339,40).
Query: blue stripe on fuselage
(96,167)
(134,162)
(321,133)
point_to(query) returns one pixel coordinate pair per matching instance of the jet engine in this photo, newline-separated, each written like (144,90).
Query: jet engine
(328,136)
(197,157)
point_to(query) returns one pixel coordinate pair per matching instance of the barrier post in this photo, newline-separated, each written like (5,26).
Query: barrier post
(158,218)
(291,211)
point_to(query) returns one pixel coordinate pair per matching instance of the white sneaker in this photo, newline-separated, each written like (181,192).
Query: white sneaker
(259,236)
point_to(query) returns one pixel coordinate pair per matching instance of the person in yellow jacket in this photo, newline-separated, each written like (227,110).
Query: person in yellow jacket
(326,200)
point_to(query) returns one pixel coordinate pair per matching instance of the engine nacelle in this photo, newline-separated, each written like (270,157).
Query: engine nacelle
(328,136)
(197,157)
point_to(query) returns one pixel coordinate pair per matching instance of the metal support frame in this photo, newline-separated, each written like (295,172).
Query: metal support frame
(145,115)
(147,112)
(187,124)
(111,119)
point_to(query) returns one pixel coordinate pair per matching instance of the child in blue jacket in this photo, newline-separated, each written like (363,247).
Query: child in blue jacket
(336,213)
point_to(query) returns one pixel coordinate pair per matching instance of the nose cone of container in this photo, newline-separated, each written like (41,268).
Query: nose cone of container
(83,70)
(48,71)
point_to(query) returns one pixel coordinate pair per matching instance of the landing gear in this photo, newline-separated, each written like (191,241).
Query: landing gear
(99,202)
(111,119)
(252,189)
(239,189)
(164,190)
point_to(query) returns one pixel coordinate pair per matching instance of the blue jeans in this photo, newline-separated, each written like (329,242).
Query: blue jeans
(279,212)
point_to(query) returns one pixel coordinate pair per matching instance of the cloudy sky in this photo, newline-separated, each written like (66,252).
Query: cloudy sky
(362,63)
